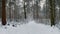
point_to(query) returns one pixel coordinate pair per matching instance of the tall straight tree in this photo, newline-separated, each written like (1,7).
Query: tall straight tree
(52,11)
(3,12)
(25,11)
(37,9)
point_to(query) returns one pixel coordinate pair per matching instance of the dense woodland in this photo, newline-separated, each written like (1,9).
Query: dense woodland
(39,10)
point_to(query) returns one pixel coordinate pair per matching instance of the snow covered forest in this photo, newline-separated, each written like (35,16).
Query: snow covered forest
(30,15)
(43,11)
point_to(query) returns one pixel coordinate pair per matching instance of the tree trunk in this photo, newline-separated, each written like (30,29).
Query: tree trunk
(37,9)
(25,11)
(52,11)
(3,13)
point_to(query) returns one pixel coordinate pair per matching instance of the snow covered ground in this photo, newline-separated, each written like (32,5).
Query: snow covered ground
(30,28)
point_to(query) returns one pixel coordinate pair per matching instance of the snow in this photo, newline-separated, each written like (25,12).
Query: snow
(30,28)
(42,3)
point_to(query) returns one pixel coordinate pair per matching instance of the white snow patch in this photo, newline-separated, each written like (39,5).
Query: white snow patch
(42,3)
(30,28)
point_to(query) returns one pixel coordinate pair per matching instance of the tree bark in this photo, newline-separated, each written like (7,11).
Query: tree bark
(52,11)
(25,10)
(3,13)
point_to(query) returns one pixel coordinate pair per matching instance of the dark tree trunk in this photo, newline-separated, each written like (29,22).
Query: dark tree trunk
(52,11)
(3,13)
(25,11)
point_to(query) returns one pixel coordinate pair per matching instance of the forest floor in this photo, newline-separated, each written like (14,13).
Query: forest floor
(30,28)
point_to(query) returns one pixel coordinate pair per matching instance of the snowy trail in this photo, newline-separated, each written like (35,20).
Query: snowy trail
(30,28)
